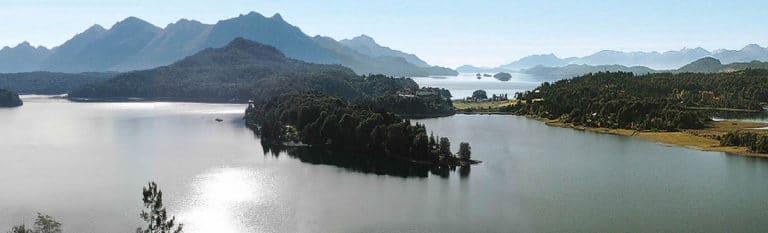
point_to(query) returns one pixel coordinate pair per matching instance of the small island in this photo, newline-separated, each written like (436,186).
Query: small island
(9,99)
(325,121)
(502,76)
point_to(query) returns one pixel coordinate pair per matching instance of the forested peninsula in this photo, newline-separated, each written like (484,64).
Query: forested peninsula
(666,107)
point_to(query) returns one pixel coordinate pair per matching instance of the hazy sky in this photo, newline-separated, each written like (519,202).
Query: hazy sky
(448,33)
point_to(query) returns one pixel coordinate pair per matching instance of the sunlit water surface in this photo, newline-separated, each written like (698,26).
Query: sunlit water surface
(85,163)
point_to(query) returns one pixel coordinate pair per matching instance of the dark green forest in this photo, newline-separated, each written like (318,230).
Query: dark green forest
(316,119)
(49,83)
(757,143)
(9,99)
(664,101)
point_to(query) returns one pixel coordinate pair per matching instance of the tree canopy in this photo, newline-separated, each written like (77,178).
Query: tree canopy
(9,99)
(316,119)
(661,101)
(479,94)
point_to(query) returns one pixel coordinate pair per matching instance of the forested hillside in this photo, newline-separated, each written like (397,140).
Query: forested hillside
(48,83)
(662,101)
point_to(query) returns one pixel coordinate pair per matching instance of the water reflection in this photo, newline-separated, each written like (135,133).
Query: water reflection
(372,164)
(219,195)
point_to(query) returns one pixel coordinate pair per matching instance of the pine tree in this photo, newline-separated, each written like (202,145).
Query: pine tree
(155,215)
(464,151)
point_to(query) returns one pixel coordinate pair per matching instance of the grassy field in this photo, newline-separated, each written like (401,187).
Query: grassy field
(463,105)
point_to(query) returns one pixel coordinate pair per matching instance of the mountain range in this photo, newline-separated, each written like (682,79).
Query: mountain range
(245,71)
(703,65)
(239,71)
(713,65)
(134,44)
(668,60)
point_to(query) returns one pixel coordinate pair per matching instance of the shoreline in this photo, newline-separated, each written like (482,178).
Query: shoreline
(706,139)
(140,100)
(698,139)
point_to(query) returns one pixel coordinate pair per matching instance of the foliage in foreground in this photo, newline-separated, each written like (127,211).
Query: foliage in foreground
(155,216)
(43,224)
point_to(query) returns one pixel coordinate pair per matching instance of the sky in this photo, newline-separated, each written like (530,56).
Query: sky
(441,32)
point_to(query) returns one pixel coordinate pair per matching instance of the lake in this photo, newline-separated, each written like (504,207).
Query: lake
(85,164)
(464,84)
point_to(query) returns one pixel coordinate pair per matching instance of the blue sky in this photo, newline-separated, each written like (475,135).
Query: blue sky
(448,33)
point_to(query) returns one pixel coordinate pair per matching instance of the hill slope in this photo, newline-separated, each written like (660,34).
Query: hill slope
(712,65)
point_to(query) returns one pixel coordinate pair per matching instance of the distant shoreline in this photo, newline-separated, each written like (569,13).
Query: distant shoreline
(161,99)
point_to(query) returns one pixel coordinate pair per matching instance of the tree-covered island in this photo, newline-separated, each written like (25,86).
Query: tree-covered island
(321,120)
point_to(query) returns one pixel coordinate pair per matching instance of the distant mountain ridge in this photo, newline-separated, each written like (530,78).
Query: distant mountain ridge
(554,73)
(703,65)
(23,57)
(669,60)
(366,45)
(134,44)
(549,60)
(713,65)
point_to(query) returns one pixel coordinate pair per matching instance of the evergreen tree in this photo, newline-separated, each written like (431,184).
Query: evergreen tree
(479,94)
(21,229)
(46,224)
(155,215)
(464,151)
(445,147)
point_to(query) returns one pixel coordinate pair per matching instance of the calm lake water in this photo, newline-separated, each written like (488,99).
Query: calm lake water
(464,84)
(85,163)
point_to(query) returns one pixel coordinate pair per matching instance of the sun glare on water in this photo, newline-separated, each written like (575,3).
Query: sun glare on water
(220,198)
